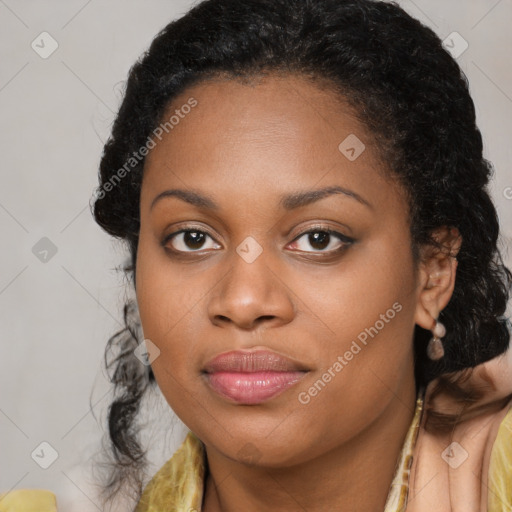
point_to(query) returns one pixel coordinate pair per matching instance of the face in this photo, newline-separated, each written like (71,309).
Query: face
(308,297)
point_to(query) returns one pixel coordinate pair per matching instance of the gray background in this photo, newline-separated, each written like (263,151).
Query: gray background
(56,113)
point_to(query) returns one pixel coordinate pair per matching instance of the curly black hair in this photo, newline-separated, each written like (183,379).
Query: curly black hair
(405,87)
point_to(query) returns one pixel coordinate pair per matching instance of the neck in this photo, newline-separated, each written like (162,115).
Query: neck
(355,476)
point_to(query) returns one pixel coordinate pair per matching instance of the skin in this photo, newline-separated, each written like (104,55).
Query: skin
(244,145)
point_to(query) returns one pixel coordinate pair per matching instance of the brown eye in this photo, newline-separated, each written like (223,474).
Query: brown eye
(189,240)
(320,240)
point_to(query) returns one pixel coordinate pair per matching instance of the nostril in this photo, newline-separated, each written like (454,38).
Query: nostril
(266,317)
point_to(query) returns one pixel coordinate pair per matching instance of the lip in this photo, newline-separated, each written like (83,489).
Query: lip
(247,361)
(252,377)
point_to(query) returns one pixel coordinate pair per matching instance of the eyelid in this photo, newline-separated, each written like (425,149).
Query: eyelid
(345,241)
(322,227)
(184,229)
(184,226)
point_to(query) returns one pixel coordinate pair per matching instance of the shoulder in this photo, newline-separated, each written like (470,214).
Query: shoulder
(28,500)
(500,466)
(480,433)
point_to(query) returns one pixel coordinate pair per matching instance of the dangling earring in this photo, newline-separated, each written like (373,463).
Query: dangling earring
(435,349)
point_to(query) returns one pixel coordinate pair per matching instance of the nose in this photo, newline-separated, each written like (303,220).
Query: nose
(250,295)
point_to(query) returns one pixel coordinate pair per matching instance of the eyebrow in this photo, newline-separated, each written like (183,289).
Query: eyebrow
(288,202)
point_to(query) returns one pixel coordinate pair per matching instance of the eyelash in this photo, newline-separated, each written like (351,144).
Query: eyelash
(346,241)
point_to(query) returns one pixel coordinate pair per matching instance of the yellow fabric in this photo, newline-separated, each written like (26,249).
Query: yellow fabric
(28,500)
(178,485)
(397,496)
(499,498)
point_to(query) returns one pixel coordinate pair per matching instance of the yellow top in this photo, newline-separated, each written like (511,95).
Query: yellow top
(499,497)
(28,500)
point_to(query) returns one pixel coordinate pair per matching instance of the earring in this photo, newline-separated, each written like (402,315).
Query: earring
(435,349)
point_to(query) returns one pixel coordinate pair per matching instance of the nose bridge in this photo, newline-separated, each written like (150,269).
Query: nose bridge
(251,290)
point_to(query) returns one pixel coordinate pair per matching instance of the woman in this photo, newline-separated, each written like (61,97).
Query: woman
(314,253)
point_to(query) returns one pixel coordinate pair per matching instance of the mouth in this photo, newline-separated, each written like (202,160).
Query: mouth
(252,377)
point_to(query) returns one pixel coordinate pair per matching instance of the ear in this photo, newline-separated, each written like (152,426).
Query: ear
(437,270)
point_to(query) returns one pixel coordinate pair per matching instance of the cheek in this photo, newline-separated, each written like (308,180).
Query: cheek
(368,307)
(366,354)
(165,301)
(371,281)
(165,311)
(172,305)
(164,295)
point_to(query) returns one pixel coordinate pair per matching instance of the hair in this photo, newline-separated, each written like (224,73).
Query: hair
(405,88)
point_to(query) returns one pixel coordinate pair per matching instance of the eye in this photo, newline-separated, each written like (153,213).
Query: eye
(322,238)
(185,239)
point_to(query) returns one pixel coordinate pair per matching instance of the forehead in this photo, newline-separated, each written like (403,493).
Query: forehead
(264,134)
